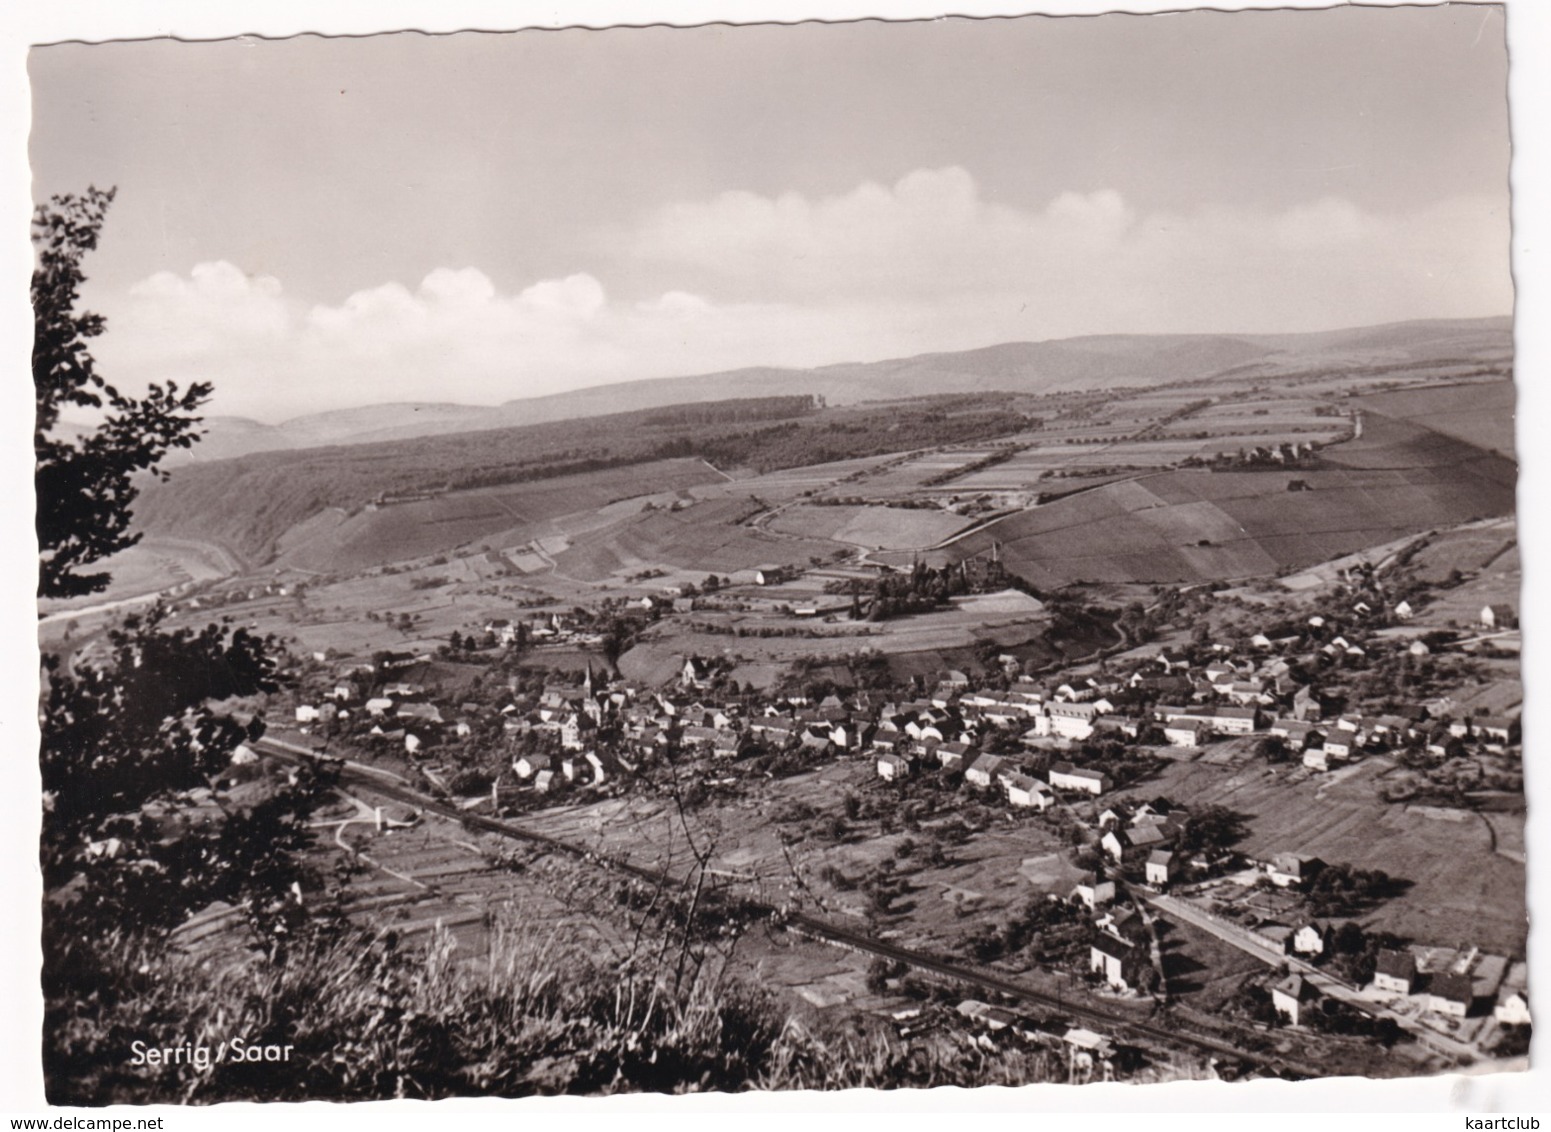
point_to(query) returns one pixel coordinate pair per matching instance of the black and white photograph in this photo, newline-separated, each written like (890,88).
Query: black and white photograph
(777,556)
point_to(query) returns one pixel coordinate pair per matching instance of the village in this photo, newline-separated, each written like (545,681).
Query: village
(1089,748)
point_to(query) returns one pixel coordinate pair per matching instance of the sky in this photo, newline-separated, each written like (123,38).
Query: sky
(318,223)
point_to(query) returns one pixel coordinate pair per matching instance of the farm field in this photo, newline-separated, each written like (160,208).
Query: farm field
(907,477)
(1461,606)
(879,528)
(788,482)
(1460,888)
(1480,413)
(1467,548)
(436,876)
(1388,443)
(1151,528)
(706,536)
(409,530)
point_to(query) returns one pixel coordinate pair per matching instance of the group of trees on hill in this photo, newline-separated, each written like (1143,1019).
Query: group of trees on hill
(923,588)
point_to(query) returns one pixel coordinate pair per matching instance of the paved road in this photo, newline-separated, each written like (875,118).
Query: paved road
(1252,944)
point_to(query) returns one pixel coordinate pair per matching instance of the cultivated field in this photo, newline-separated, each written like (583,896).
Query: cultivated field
(711,536)
(1461,889)
(501,516)
(1189,526)
(879,528)
(1479,413)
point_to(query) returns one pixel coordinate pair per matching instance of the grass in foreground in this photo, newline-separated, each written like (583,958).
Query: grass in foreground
(370,1020)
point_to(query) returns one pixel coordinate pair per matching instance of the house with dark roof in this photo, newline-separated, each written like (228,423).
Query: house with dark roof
(1072,720)
(1450,994)
(1395,972)
(1186,734)
(986,770)
(1025,791)
(696,673)
(1291,995)
(1092,891)
(953,756)
(1108,956)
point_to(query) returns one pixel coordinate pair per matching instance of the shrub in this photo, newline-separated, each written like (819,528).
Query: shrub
(369,1019)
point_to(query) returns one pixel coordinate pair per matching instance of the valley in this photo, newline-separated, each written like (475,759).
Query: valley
(793,634)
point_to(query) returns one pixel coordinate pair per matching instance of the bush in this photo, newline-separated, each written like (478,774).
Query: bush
(367,1019)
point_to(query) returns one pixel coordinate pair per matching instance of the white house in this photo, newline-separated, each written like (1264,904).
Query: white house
(892,767)
(1161,867)
(1288,870)
(1182,734)
(1072,720)
(1450,994)
(1309,939)
(1065,776)
(1498,615)
(985,770)
(1394,972)
(1025,791)
(1093,892)
(1513,1010)
(1107,956)
(1289,996)
(1115,843)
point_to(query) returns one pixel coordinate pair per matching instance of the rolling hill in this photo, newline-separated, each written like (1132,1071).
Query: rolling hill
(1197,525)
(1059,365)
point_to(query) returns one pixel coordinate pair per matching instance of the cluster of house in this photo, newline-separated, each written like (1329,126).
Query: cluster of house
(1450,988)
(1191,704)
(551,629)
(401,711)
(1450,984)
(1146,836)
(1171,698)
(1443,982)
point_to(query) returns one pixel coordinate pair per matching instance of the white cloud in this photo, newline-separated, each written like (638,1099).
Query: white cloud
(1089,261)
(216,304)
(926,264)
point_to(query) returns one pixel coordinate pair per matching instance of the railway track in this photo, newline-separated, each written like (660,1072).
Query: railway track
(369,779)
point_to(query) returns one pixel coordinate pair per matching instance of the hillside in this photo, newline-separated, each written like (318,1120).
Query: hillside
(1199,526)
(252,504)
(1097,361)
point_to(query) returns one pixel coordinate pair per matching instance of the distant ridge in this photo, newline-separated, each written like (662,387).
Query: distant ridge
(1052,366)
